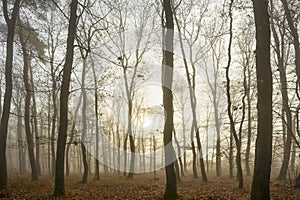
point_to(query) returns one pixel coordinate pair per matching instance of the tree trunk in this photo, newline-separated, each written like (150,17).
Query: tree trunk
(167,78)
(237,136)
(36,131)
(294,33)
(8,87)
(195,174)
(28,95)
(54,116)
(97,173)
(263,152)
(285,103)
(59,188)
(20,134)
(249,127)
(84,124)
(193,103)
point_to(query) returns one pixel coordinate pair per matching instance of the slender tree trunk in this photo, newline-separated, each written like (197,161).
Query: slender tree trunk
(294,33)
(249,127)
(28,89)
(217,124)
(97,170)
(84,124)
(285,103)
(231,154)
(20,137)
(36,131)
(59,188)
(193,104)
(54,116)
(237,136)
(263,152)
(8,87)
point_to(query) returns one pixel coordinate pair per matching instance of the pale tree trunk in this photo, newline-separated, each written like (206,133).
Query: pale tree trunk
(263,152)
(193,104)
(8,87)
(59,188)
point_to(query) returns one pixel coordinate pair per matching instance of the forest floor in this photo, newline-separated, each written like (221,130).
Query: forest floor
(142,186)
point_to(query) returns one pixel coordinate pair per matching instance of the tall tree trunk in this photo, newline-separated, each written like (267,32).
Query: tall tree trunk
(36,131)
(237,136)
(8,87)
(193,103)
(19,130)
(54,116)
(28,89)
(231,154)
(97,170)
(263,152)
(84,124)
(167,78)
(59,188)
(249,127)
(285,103)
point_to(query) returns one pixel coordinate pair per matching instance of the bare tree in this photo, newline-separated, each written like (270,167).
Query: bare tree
(10,21)
(59,188)
(237,135)
(28,89)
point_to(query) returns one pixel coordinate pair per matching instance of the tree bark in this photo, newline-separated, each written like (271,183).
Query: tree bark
(59,188)
(279,50)
(263,152)
(8,87)
(167,78)
(28,96)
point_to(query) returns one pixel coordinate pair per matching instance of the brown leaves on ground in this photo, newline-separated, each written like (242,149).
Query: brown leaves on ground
(142,186)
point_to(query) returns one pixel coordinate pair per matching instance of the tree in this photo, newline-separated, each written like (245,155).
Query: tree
(280,55)
(237,135)
(10,21)
(263,152)
(28,96)
(167,78)
(193,102)
(59,188)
